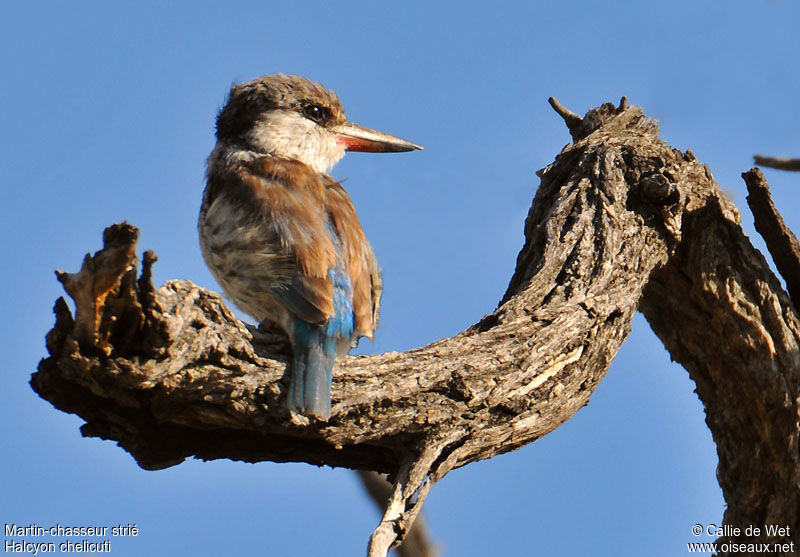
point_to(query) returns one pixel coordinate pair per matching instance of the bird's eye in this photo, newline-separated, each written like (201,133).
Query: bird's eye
(315,113)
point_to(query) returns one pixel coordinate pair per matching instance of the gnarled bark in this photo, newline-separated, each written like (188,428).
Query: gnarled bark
(621,221)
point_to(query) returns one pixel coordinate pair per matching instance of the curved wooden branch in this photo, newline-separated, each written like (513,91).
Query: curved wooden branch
(180,376)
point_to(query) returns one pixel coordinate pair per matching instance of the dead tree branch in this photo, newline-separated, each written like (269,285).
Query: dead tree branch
(781,242)
(779,163)
(621,221)
(722,314)
(418,542)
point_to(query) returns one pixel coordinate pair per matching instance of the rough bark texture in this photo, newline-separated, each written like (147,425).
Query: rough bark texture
(781,242)
(620,222)
(723,315)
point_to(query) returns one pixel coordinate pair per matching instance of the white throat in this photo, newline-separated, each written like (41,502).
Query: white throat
(287,134)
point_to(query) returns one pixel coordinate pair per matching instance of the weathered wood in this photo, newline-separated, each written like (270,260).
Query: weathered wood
(781,241)
(723,315)
(620,221)
(418,542)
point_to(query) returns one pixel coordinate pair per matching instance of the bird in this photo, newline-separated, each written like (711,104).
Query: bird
(281,237)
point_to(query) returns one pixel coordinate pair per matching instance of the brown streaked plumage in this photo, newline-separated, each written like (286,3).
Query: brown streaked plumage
(281,236)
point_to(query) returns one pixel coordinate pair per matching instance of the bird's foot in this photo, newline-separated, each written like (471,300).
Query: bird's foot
(273,338)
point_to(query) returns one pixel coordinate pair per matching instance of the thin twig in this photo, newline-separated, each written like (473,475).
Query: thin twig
(780,163)
(418,542)
(572,120)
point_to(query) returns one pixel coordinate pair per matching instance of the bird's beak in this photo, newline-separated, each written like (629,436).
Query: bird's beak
(358,138)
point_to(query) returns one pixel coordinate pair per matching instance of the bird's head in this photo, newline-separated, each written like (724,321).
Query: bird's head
(292,117)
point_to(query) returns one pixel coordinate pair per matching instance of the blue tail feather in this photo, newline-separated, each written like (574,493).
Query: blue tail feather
(316,346)
(312,371)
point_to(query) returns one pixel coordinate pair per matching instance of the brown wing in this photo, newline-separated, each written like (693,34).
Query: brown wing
(292,198)
(359,259)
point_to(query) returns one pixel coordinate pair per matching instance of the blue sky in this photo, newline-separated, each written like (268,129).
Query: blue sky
(108,113)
